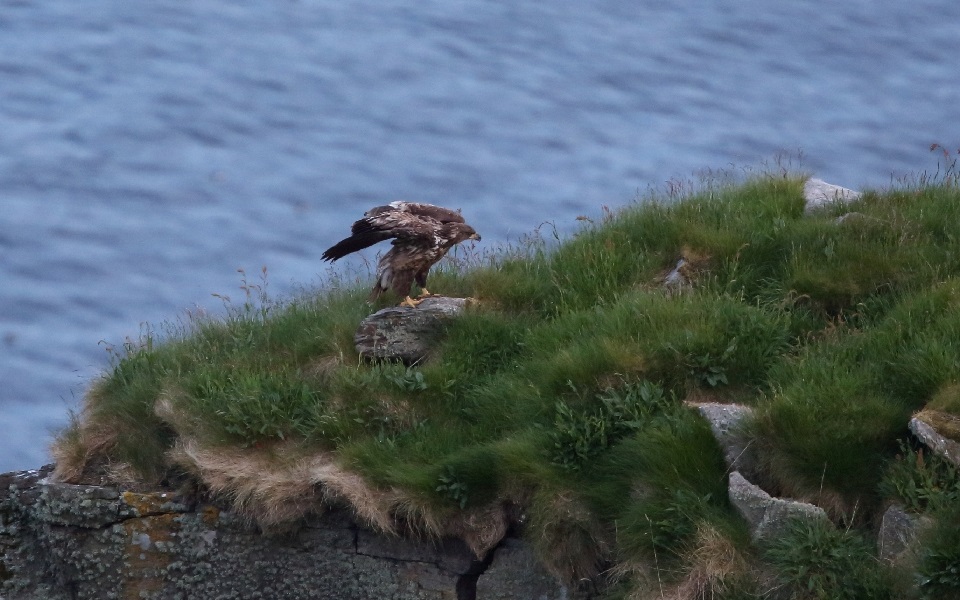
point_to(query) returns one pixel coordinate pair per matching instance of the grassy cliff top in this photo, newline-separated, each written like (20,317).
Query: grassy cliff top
(555,405)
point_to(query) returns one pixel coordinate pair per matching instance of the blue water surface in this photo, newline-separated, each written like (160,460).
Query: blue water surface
(148,150)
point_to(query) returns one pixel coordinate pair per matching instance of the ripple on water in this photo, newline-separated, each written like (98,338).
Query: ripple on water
(148,151)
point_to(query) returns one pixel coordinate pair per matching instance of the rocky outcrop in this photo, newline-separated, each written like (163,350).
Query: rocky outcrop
(405,333)
(898,533)
(767,517)
(514,567)
(63,541)
(941,445)
(818,194)
(727,423)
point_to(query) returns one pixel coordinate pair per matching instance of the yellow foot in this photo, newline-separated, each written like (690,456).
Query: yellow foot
(408,301)
(425,293)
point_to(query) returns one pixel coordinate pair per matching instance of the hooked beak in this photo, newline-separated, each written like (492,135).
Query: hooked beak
(475,236)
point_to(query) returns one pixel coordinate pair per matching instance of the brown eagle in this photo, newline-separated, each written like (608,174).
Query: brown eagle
(422,234)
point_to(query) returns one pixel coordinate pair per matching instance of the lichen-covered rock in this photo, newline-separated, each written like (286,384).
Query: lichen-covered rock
(403,333)
(767,516)
(61,541)
(898,533)
(818,193)
(727,422)
(943,446)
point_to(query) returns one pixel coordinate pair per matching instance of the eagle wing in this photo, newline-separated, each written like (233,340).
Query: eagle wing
(401,220)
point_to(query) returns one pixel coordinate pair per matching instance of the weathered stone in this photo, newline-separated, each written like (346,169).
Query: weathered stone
(819,193)
(450,555)
(727,422)
(515,573)
(78,505)
(944,447)
(404,333)
(151,546)
(898,533)
(677,280)
(767,517)
(19,488)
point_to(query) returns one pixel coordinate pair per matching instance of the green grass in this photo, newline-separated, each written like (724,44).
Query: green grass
(818,562)
(921,481)
(939,568)
(557,402)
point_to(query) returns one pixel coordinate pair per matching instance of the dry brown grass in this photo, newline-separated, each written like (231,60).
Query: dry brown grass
(322,367)
(713,563)
(75,449)
(276,486)
(84,441)
(696,263)
(643,577)
(165,409)
(280,486)
(481,528)
(944,423)
(690,268)
(570,541)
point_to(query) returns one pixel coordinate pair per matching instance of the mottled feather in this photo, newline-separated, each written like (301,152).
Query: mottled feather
(422,234)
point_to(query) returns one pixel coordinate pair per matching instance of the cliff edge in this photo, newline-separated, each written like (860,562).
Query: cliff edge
(64,541)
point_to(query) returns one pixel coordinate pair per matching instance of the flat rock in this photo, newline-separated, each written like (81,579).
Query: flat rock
(767,517)
(406,334)
(80,505)
(944,447)
(818,193)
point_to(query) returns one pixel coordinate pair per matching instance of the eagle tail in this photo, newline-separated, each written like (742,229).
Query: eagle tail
(375,293)
(357,241)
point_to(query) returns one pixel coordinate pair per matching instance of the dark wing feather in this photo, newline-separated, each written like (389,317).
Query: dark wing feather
(357,241)
(402,220)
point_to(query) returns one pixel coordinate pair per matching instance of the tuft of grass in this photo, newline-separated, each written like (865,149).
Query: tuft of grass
(674,482)
(939,565)
(838,409)
(717,567)
(921,481)
(579,437)
(815,561)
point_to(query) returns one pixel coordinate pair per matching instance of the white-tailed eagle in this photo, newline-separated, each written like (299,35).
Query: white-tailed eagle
(422,234)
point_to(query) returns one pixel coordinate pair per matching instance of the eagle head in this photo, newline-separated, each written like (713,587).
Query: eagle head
(458,232)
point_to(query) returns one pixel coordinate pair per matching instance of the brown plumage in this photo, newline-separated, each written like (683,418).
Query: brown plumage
(422,234)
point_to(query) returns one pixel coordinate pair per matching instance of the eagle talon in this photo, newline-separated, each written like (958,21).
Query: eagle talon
(408,301)
(425,293)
